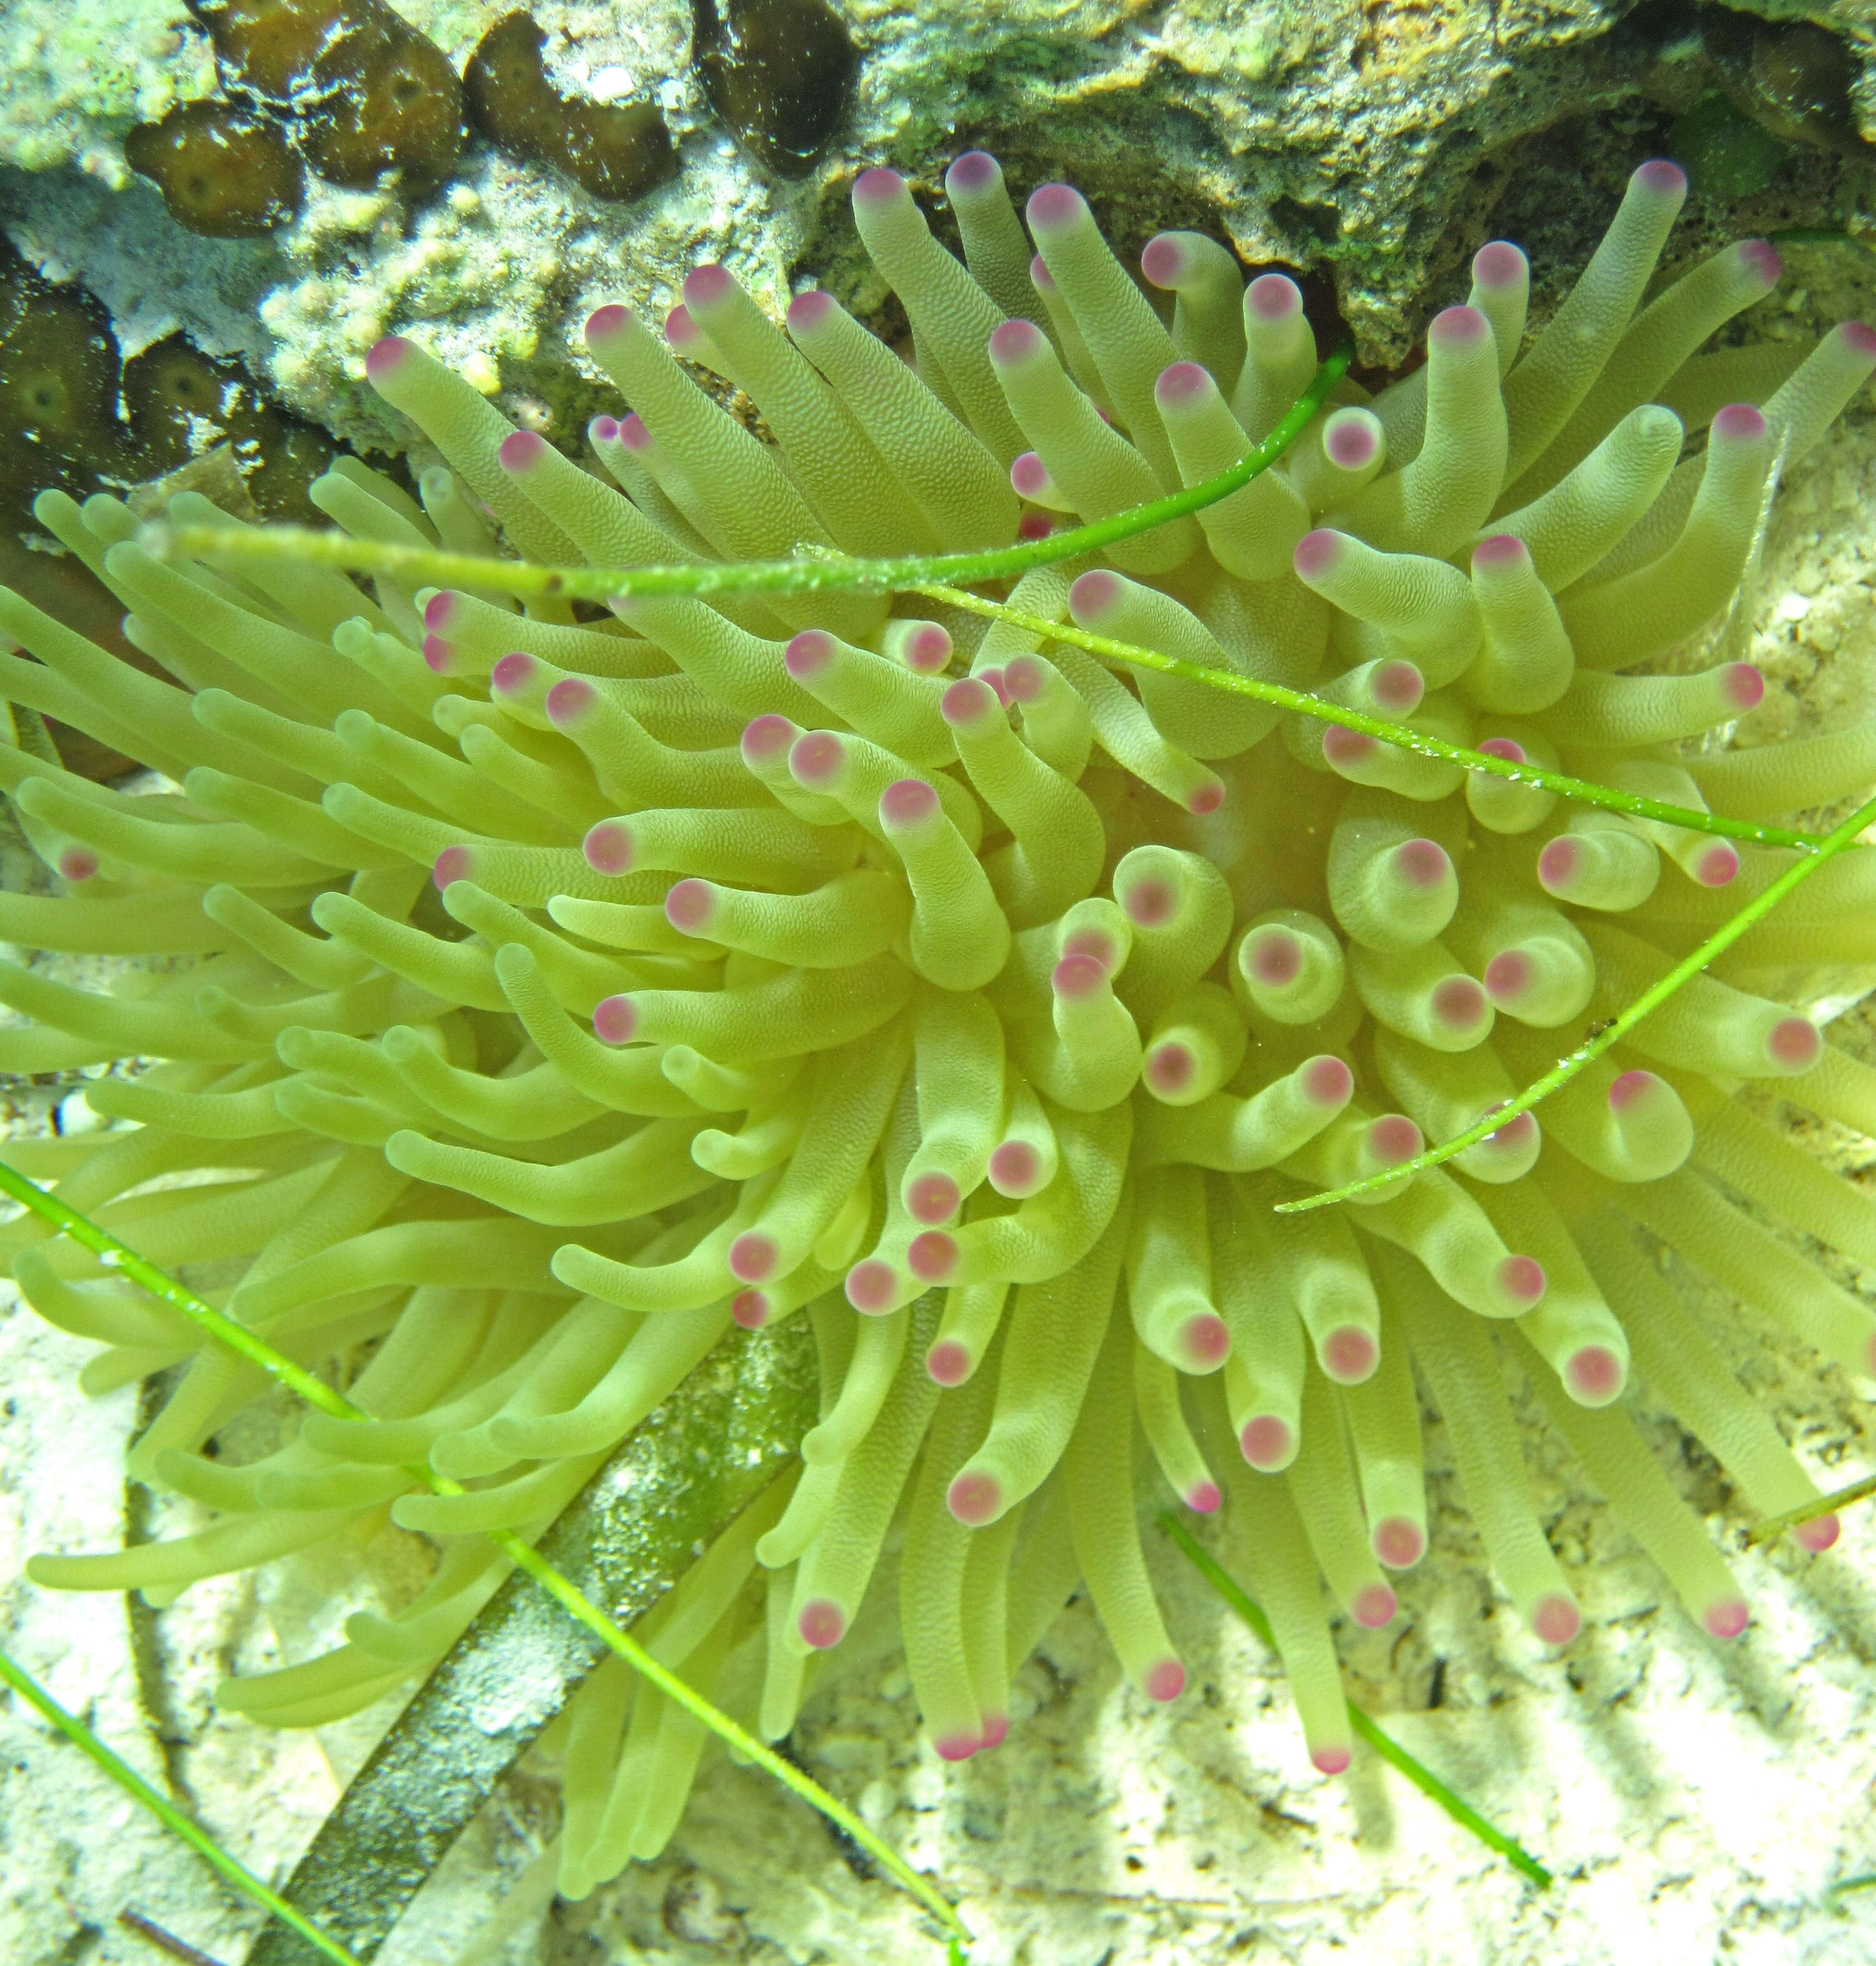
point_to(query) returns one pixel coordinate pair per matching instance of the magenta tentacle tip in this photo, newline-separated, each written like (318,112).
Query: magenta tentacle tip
(520,449)
(807,310)
(1424,862)
(1349,1355)
(1028,476)
(1164,1680)
(615,1019)
(689,905)
(1328,1081)
(1556,864)
(1273,297)
(1346,749)
(706,284)
(1077,977)
(1457,327)
(1499,550)
(1717,864)
(1594,1374)
(1392,1139)
(1498,263)
(1860,336)
(1094,595)
(975,1498)
(1162,260)
(1739,423)
(1818,1534)
(753,1257)
(822,1624)
(1204,1498)
(1016,340)
(1266,1442)
(386,353)
(996,1729)
(1181,383)
(607,847)
(604,430)
(1149,903)
(439,607)
(1207,796)
(749,1308)
(933,1199)
(512,672)
(1661,174)
(1051,207)
(1374,1605)
(1555,1618)
(933,1256)
(1457,1002)
(1521,1279)
(1034,526)
(1316,553)
(908,802)
(453,864)
(1794,1044)
(606,322)
(816,757)
(1330,1761)
(808,654)
(1169,1066)
(956,1747)
(767,738)
(80,863)
(568,700)
(1351,437)
(948,1364)
(1275,955)
(1205,1340)
(1506,748)
(1727,1618)
(871,1286)
(439,655)
(970,700)
(1398,1542)
(877,186)
(1015,1166)
(974,171)
(1744,685)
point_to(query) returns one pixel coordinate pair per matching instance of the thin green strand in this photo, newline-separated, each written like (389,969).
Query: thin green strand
(1614,1031)
(1390,1750)
(192,1833)
(120,1256)
(1825,1505)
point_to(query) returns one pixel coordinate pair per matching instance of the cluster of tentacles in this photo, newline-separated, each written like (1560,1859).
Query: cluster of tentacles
(566,990)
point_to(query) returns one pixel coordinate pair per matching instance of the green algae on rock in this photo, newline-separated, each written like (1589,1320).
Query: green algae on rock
(779,73)
(615,151)
(224,172)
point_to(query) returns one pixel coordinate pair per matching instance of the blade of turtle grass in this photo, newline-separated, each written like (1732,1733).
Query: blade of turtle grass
(678,1481)
(1615,1030)
(120,1770)
(119,1256)
(1423,1778)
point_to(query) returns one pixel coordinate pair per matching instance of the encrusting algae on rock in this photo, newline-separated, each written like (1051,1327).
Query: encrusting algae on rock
(569,990)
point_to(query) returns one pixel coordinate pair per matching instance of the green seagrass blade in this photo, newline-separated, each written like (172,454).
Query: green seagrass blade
(675,1484)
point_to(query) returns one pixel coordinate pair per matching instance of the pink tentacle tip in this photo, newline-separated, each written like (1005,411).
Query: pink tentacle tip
(1518,1133)
(386,352)
(975,170)
(439,655)
(948,1362)
(1398,686)
(1033,525)
(753,1257)
(1075,977)
(1727,1618)
(1204,1498)
(1506,748)
(1392,1139)
(749,1308)
(520,449)
(767,738)
(933,1199)
(1661,174)
(970,699)
(877,186)
(1023,679)
(1351,438)
(1630,1087)
(871,1286)
(1333,1760)
(1555,1618)
(1040,278)
(1094,594)
(1860,336)
(956,1747)
(607,847)
(1594,1374)
(1349,1355)
(1017,340)
(80,863)
(1344,748)
(1744,685)
(1051,207)
(1794,1044)
(1182,383)
(1500,549)
(1424,862)
(1274,297)
(1457,327)
(1717,864)
(1014,1166)
(975,1498)
(1328,1081)
(634,432)
(1760,257)
(614,1020)
(453,863)
(439,607)
(706,284)
(1316,553)
(1162,260)
(1739,423)
(1267,1443)
(1094,941)
(1274,955)
(689,905)
(1498,263)
(807,310)
(1170,1066)
(816,758)
(1205,1340)
(681,331)
(1151,903)
(996,1729)
(604,322)
(926,650)
(1164,1680)
(1818,1534)
(1521,1279)
(568,700)
(808,654)
(1458,1001)
(604,430)
(1398,1542)
(1556,864)
(512,672)
(822,1624)
(1207,796)
(933,1256)
(1028,476)
(908,802)
(1374,1605)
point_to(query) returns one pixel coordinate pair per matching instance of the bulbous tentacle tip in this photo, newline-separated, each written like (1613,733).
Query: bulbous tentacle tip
(1267,1443)
(1077,976)
(1506,748)
(807,310)
(870,1285)
(1518,1132)
(1203,1498)
(1457,327)
(1498,550)
(1760,256)
(568,700)
(969,703)
(1043,281)
(614,1020)
(439,655)
(520,450)
(1458,1002)
(1556,865)
(1794,1044)
(1500,264)
(1860,336)
(1273,955)
(607,847)
(815,758)
(996,1729)
(1726,1618)
(1164,1680)
(1392,1139)
(1424,863)
(1661,175)
(933,1199)
(1316,553)
(453,863)
(933,1256)
(1348,1355)
(1351,437)
(1346,749)
(1054,206)
(1328,1081)
(753,1256)
(603,429)
(1374,1605)
(1330,1761)
(439,609)
(1207,796)
(908,803)
(634,432)
(1033,526)
(948,1363)
(877,187)
(1168,1067)
(822,1624)
(808,654)
(704,286)
(387,353)
(1818,1534)
(605,322)
(1555,1618)
(1398,1542)
(512,672)
(689,905)
(767,738)
(1521,1280)
(1274,297)
(750,1308)
(1717,864)
(956,1747)
(1181,383)
(974,171)
(1014,344)
(1744,685)
(1204,1342)
(1028,476)
(80,863)
(975,1498)
(1594,1375)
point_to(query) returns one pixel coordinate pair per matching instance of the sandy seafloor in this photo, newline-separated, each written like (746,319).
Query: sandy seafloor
(1696,1800)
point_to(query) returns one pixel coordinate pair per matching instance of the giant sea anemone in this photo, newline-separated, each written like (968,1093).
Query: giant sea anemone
(565,992)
